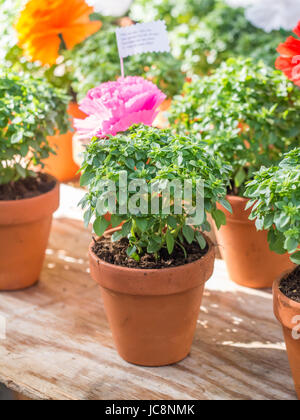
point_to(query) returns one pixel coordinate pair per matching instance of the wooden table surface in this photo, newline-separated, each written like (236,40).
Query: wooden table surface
(59,346)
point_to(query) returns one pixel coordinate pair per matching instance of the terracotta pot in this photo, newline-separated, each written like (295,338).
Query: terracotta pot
(152,313)
(246,251)
(24,232)
(62,165)
(287,312)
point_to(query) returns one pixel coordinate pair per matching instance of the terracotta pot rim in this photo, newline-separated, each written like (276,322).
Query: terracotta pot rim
(237,198)
(240,214)
(31,199)
(17,212)
(152,270)
(283,298)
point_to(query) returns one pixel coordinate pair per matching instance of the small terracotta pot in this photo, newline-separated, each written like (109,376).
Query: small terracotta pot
(161,121)
(24,232)
(287,312)
(153,313)
(62,165)
(246,251)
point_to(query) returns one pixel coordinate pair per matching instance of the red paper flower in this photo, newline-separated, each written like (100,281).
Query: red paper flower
(289,60)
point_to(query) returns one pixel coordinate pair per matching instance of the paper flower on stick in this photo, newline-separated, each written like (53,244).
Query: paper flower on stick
(289,60)
(44,25)
(113,107)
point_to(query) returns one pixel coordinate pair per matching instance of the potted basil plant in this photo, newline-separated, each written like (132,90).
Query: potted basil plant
(153,269)
(275,202)
(249,114)
(30,110)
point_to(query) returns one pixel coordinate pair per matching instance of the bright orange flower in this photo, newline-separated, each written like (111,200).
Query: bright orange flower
(44,23)
(289,60)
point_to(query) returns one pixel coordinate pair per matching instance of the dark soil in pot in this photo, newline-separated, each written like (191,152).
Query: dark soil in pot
(27,188)
(290,285)
(115,253)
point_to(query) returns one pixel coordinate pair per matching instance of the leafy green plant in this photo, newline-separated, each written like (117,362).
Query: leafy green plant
(30,110)
(246,112)
(97,60)
(173,12)
(275,202)
(155,156)
(222,33)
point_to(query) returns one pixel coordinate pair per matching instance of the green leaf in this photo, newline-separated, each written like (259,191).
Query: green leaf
(172,222)
(117,236)
(116,220)
(259,223)
(296,258)
(291,245)
(126,228)
(130,163)
(154,246)
(226,205)
(86,178)
(201,240)
(282,220)
(268,221)
(188,233)
(219,217)
(100,226)
(249,204)
(20,170)
(17,137)
(131,251)
(276,242)
(170,242)
(24,149)
(142,224)
(240,177)
(87,217)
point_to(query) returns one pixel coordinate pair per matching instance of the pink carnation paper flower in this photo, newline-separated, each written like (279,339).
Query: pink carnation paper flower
(115,106)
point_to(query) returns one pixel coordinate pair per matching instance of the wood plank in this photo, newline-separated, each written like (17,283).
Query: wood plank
(59,345)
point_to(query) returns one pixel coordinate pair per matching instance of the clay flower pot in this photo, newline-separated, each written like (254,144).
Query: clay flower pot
(152,313)
(287,312)
(62,165)
(246,251)
(24,232)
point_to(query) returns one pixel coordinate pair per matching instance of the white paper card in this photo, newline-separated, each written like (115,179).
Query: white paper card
(143,38)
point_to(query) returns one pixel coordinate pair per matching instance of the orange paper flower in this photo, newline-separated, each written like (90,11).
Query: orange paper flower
(44,23)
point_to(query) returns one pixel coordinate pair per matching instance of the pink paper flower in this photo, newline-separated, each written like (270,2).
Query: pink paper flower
(113,107)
